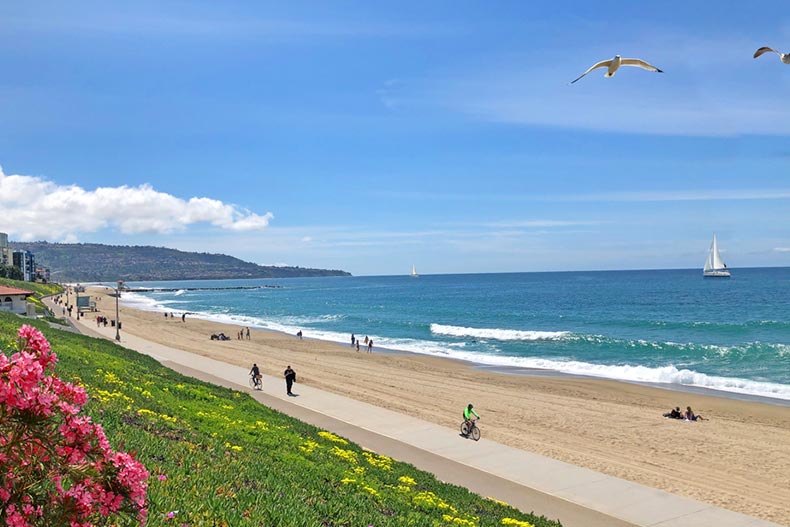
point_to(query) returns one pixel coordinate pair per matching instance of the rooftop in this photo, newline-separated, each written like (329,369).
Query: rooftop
(5,290)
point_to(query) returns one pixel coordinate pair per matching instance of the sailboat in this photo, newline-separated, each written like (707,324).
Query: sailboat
(414,272)
(714,265)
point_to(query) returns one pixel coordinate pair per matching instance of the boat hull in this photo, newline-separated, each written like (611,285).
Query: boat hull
(716,274)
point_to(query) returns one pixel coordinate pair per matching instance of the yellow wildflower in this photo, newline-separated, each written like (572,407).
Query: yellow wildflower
(516,523)
(407,480)
(348,455)
(332,437)
(458,521)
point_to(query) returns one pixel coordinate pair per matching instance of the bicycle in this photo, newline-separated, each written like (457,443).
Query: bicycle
(470,429)
(256,383)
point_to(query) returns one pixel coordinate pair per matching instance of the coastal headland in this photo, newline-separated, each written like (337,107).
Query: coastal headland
(736,459)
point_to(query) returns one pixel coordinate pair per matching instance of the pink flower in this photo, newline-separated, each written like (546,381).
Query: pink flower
(43,413)
(162,477)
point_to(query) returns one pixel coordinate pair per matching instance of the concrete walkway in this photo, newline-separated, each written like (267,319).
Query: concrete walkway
(576,496)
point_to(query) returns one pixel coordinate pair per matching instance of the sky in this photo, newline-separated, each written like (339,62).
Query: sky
(370,136)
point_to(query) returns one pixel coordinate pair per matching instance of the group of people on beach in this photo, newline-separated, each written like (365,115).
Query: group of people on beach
(688,415)
(244,332)
(368,343)
(172,316)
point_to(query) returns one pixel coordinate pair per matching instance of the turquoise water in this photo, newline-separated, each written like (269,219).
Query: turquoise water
(670,327)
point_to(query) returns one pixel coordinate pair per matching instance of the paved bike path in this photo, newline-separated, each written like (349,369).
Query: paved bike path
(577,496)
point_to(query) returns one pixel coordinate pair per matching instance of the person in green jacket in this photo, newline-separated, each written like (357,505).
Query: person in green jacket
(470,415)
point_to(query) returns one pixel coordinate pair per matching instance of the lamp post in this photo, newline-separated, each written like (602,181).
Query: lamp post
(117,312)
(77,300)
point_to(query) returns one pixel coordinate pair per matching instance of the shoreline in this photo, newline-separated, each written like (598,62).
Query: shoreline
(503,369)
(736,459)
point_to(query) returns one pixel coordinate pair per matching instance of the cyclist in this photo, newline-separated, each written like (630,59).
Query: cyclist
(469,411)
(256,374)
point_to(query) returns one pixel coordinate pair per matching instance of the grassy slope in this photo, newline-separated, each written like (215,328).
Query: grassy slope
(229,460)
(40,290)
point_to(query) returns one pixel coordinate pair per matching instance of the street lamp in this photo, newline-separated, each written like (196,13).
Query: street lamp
(117,312)
(77,300)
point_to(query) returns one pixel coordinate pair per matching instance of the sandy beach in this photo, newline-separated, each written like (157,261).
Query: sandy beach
(738,459)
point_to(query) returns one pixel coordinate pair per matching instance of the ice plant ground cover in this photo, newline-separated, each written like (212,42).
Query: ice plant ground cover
(57,466)
(217,457)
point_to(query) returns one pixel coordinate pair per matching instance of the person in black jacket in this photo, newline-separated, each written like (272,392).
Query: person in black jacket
(290,379)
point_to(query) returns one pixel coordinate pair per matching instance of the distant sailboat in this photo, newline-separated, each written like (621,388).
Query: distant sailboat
(714,265)
(414,272)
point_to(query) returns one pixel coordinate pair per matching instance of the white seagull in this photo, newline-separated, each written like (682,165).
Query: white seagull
(784,57)
(614,64)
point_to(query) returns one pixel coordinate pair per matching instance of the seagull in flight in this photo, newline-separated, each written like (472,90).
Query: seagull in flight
(784,57)
(614,64)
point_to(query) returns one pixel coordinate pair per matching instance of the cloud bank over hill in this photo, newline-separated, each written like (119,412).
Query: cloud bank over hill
(36,208)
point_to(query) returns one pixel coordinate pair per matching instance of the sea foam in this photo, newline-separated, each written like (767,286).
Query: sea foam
(496,334)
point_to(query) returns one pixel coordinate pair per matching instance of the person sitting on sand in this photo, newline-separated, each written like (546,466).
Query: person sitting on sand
(690,416)
(674,413)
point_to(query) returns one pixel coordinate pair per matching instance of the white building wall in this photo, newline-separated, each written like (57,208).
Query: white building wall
(13,304)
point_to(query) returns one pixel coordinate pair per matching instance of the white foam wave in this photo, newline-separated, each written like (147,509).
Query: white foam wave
(179,292)
(496,334)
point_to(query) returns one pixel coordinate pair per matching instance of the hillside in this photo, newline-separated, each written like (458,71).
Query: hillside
(217,457)
(93,262)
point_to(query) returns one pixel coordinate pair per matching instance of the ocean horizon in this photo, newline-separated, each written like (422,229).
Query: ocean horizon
(666,327)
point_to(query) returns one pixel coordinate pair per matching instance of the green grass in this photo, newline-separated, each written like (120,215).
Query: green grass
(229,460)
(39,290)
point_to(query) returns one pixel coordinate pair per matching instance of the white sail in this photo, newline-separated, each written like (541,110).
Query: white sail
(414,271)
(714,265)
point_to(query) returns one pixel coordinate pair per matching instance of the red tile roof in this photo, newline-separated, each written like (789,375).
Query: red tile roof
(4,290)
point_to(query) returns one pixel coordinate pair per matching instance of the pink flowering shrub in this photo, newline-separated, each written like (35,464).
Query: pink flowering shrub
(56,466)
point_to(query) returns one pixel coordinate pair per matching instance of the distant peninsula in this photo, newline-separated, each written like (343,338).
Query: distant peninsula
(94,262)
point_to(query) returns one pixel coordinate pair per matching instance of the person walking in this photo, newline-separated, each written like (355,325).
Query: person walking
(248,333)
(370,346)
(290,379)
(353,339)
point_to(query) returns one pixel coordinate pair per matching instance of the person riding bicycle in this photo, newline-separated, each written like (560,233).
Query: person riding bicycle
(255,372)
(469,411)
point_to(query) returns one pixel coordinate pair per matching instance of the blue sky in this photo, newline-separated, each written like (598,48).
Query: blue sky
(370,137)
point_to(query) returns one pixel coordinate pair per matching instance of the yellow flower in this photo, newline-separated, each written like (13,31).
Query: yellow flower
(407,480)
(346,481)
(332,437)
(516,523)
(489,498)
(382,462)
(457,521)
(308,446)
(348,455)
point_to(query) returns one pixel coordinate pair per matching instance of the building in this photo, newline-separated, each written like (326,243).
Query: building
(6,254)
(26,263)
(14,300)
(42,273)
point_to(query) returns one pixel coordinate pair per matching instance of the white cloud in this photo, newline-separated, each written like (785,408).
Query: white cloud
(782,249)
(35,208)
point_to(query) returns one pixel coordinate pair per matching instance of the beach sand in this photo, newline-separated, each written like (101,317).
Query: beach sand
(739,459)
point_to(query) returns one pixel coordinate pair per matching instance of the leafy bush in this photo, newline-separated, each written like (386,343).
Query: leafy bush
(59,469)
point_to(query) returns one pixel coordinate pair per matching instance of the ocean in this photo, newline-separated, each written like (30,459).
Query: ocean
(669,327)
